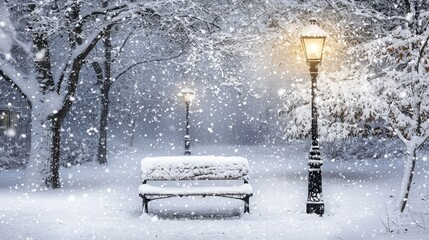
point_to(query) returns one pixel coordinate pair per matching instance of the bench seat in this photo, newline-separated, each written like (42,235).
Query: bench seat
(195,169)
(244,189)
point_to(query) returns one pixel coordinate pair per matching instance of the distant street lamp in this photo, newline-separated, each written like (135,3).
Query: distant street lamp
(313,40)
(188,95)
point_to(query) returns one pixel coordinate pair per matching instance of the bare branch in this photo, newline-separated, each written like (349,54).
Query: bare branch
(332,5)
(122,72)
(422,49)
(98,72)
(407,6)
(104,11)
(124,43)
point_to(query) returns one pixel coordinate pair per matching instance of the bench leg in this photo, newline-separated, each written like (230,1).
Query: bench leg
(246,204)
(144,205)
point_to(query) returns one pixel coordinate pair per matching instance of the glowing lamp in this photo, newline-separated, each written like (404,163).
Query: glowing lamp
(188,94)
(313,41)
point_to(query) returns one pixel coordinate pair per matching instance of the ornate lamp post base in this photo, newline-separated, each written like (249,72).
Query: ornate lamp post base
(317,208)
(315,198)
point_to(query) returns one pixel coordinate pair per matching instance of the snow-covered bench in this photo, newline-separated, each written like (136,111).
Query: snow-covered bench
(190,168)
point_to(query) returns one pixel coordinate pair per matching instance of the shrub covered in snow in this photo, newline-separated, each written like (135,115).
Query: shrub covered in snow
(358,148)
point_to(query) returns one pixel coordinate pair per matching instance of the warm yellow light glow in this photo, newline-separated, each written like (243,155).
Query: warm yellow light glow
(313,48)
(188,94)
(188,97)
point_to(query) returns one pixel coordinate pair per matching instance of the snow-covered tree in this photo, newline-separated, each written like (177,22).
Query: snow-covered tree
(50,82)
(72,29)
(346,102)
(401,62)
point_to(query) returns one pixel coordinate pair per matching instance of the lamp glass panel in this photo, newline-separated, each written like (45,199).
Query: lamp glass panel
(188,97)
(313,48)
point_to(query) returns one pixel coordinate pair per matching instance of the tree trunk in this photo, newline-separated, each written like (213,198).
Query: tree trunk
(56,122)
(44,164)
(132,132)
(105,89)
(102,141)
(43,167)
(408,178)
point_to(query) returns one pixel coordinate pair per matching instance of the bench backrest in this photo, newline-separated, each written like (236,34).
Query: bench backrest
(194,168)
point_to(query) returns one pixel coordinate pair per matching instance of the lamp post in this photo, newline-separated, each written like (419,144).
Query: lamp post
(188,95)
(313,40)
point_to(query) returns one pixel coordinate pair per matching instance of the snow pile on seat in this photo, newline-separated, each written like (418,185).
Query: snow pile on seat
(193,167)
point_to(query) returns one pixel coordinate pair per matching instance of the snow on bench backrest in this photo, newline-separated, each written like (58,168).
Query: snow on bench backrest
(194,167)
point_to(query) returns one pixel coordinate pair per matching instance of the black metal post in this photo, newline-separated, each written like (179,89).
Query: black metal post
(315,197)
(187,137)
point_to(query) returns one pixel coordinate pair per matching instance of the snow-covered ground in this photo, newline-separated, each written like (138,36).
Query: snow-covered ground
(101,202)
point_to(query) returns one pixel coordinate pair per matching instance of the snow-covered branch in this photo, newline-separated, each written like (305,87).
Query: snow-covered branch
(17,78)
